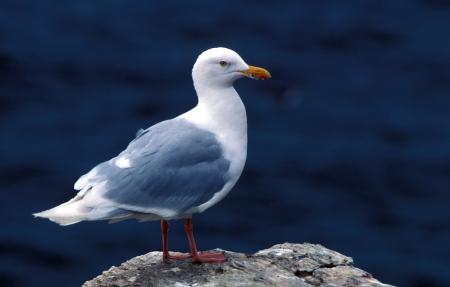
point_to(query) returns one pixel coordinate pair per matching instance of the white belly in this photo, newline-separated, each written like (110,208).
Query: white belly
(226,119)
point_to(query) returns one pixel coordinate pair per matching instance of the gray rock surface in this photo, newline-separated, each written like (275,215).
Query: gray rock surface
(285,264)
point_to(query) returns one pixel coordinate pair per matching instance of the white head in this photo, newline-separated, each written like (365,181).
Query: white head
(220,67)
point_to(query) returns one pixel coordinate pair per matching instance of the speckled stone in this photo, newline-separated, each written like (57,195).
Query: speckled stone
(285,264)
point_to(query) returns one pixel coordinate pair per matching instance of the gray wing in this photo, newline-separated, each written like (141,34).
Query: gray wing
(173,166)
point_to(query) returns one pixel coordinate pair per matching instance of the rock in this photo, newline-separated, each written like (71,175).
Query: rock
(287,264)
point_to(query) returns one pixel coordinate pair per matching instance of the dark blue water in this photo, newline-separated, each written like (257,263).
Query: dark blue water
(349,143)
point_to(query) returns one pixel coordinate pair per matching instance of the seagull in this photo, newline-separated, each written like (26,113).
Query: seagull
(177,167)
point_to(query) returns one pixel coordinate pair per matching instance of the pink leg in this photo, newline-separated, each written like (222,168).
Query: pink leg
(199,257)
(165,243)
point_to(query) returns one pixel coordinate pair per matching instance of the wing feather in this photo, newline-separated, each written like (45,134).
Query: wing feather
(166,170)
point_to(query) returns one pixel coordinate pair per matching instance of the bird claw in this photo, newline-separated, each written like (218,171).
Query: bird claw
(200,257)
(180,256)
(207,257)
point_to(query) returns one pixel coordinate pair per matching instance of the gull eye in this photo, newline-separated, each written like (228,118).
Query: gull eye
(223,63)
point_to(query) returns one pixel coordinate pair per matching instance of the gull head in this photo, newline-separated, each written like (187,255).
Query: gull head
(220,67)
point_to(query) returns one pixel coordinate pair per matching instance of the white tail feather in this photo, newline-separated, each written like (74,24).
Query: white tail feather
(65,214)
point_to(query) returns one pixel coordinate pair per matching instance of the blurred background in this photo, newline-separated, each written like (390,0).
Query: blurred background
(349,143)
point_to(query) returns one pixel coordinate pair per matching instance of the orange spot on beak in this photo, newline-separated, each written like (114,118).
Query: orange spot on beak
(256,73)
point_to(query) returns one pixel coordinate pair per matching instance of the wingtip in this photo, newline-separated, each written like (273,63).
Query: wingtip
(37,214)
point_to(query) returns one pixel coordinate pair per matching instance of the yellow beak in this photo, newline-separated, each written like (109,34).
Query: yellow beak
(256,73)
